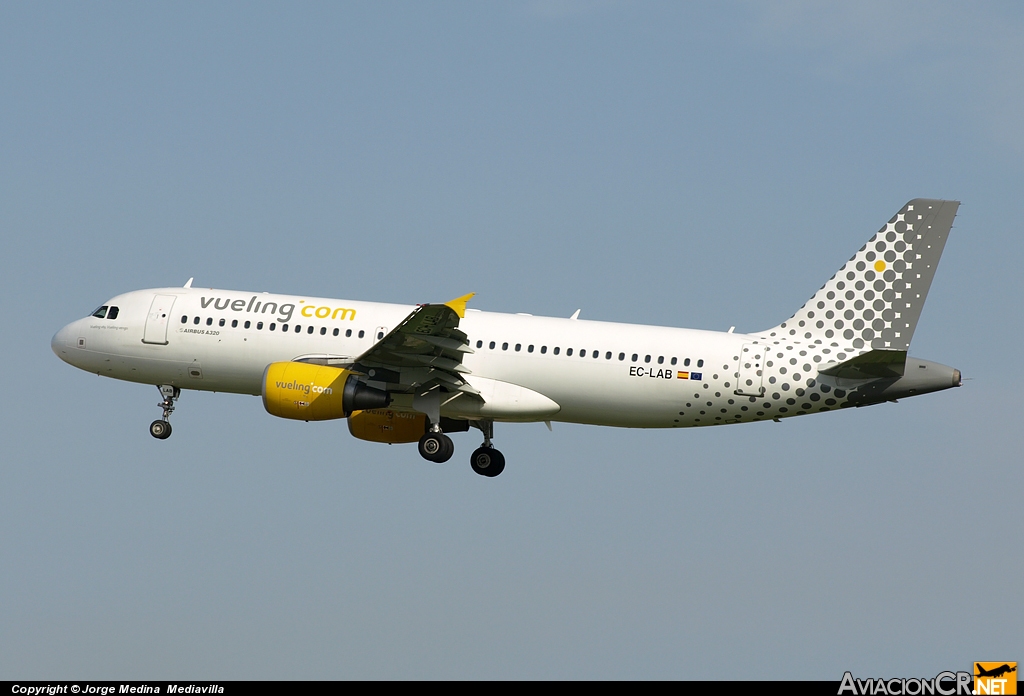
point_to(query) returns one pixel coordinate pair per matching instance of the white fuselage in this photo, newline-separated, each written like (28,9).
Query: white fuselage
(596,372)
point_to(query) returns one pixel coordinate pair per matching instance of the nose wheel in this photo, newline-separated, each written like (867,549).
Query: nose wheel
(161,429)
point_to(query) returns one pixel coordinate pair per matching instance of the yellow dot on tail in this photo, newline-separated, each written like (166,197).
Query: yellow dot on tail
(879,265)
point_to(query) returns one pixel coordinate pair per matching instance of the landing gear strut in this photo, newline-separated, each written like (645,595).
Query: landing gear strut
(161,429)
(486,460)
(434,446)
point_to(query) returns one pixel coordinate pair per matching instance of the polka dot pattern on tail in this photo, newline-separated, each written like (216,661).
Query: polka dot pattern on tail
(875,299)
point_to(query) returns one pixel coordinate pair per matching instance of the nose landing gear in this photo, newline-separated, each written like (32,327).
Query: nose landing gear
(161,429)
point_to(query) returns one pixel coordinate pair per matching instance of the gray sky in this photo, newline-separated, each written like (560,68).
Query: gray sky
(666,163)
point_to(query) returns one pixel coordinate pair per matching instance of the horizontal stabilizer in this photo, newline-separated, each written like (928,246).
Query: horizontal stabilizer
(870,365)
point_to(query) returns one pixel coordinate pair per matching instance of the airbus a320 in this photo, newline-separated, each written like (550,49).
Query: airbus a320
(404,374)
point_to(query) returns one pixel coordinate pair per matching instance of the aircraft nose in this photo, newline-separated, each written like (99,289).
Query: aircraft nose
(61,341)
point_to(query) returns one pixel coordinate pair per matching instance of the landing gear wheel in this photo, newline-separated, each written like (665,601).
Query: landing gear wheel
(487,461)
(161,429)
(436,447)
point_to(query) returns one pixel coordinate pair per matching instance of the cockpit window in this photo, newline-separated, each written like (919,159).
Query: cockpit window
(112,314)
(101,312)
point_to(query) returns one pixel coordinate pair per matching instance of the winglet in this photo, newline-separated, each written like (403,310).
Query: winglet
(459,304)
(189,283)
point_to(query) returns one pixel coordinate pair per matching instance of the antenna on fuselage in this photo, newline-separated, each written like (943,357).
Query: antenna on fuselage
(575,315)
(189,283)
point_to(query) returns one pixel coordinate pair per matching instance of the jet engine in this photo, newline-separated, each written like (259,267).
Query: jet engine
(385,425)
(304,391)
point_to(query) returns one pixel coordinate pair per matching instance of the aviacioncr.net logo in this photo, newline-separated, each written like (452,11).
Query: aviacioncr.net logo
(943,684)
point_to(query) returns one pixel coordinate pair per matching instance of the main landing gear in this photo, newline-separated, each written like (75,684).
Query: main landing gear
(486,460)
(435,446)
(161,429)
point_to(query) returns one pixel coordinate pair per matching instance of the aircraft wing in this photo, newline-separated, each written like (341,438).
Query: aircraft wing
(424,350)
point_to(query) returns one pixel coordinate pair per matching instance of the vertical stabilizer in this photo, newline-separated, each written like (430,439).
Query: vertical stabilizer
(876,298)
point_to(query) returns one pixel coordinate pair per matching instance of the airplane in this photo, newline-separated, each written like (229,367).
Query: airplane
(995,672)
(404,373)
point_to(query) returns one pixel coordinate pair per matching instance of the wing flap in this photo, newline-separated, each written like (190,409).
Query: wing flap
(424,350)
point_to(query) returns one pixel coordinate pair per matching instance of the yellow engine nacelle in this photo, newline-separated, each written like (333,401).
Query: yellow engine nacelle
(303,391)
(379,425)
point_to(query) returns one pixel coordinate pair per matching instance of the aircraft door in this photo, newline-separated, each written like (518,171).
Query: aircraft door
(751,370)
(157,320)
(380,333)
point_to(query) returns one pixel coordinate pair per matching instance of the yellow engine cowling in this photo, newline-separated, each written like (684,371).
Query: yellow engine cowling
(385,425)
(303,391)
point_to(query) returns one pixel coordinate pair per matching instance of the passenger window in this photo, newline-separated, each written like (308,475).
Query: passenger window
(608,355)
(492,345)
(380,335)
(195,321)
(209,321)
(112,314)
(298,329)
(597,353)
(622,356)
(519,347)
(284,327)
(700,363)
(348,333)
(673,361)
(504,346)
(557,349)
(568,351)
(336,332)
(184,319)
(234,323)
(274,326)
(323,330)
(246,324)
(221,323)
(259,325)
(529,348)
(543,349)
(361,333)
(647,358)
(101,312)
(310,330)
(634,357)
(479,344)
(686,363)
(661,359)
